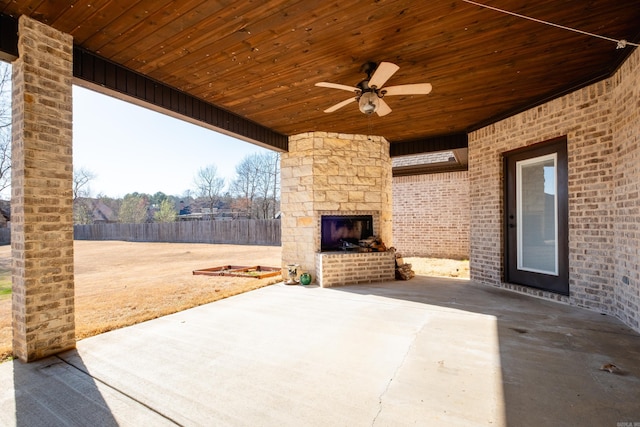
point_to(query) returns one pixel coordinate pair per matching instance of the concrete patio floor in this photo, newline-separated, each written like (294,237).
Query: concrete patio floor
(428,352)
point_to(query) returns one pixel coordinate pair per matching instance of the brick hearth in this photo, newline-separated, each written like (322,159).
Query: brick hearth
(336,269)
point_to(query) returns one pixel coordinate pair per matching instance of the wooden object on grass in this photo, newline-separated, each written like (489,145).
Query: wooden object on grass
(257,272)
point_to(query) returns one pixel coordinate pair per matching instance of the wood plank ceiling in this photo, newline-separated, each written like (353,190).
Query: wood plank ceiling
(261,59)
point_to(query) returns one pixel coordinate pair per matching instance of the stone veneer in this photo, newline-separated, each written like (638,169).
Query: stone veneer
(332,174)
(41,205)
(602,125)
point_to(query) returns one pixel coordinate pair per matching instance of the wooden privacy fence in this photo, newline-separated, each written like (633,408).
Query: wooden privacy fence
(238,232)
(5,236)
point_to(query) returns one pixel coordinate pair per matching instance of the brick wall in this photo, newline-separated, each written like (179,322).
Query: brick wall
(41,208)
(355,268)
(602,127)
(626,196)
(431,215)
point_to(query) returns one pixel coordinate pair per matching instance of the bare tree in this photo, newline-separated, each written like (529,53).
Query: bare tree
(209,186)
(245,184)
(256,184)
(5,127)
(268,184)
(81,179)
(82,205)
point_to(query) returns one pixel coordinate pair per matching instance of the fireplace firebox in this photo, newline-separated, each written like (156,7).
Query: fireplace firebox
(343,232)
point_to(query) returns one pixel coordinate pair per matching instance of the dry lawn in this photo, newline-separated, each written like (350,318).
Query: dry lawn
(122,283)
(439,267)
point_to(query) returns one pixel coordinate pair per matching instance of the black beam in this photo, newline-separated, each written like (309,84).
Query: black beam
(427,145)
(8,36)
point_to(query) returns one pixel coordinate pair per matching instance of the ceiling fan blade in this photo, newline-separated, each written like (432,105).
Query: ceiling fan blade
(383,108)
(414,89)
(383,73)
(337,86)
(340,105)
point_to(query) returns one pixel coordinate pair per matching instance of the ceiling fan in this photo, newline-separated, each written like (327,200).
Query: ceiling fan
(369,92)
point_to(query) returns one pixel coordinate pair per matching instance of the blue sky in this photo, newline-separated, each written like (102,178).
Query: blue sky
(134,149)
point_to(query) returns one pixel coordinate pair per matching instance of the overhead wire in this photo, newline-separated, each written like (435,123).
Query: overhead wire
(621,44)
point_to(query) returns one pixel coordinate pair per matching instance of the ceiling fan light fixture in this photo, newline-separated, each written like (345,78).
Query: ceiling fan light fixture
(368,103)
(369,93)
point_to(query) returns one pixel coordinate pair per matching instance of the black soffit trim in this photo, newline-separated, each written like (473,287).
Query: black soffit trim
(8,37)
(427,145)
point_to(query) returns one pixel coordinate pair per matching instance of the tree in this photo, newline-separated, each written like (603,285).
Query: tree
(245,184)
(157,198)
(5,128)
(82,211)
(166,212)
(134,209)
(256,184)
(209,186)
(81,179)
(269,184)
(82,205)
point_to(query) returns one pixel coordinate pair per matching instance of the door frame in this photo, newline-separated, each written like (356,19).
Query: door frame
(556,284)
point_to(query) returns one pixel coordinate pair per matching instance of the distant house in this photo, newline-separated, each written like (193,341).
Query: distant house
(102,213)
(95,210)
(5,213)
(184,209)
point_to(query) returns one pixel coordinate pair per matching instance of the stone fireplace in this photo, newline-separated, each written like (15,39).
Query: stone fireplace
(342,183)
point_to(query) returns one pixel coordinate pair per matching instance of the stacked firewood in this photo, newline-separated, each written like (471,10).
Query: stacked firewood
(403,270)
(372,244)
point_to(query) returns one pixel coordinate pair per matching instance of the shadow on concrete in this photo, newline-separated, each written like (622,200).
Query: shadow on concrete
(550,354)
(51,392)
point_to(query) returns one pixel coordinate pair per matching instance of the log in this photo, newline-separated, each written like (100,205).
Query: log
(404,272)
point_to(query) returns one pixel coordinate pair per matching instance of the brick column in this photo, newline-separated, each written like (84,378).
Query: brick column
(41,205)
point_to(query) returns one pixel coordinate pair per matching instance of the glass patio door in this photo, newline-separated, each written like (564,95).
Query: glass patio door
(536,217)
